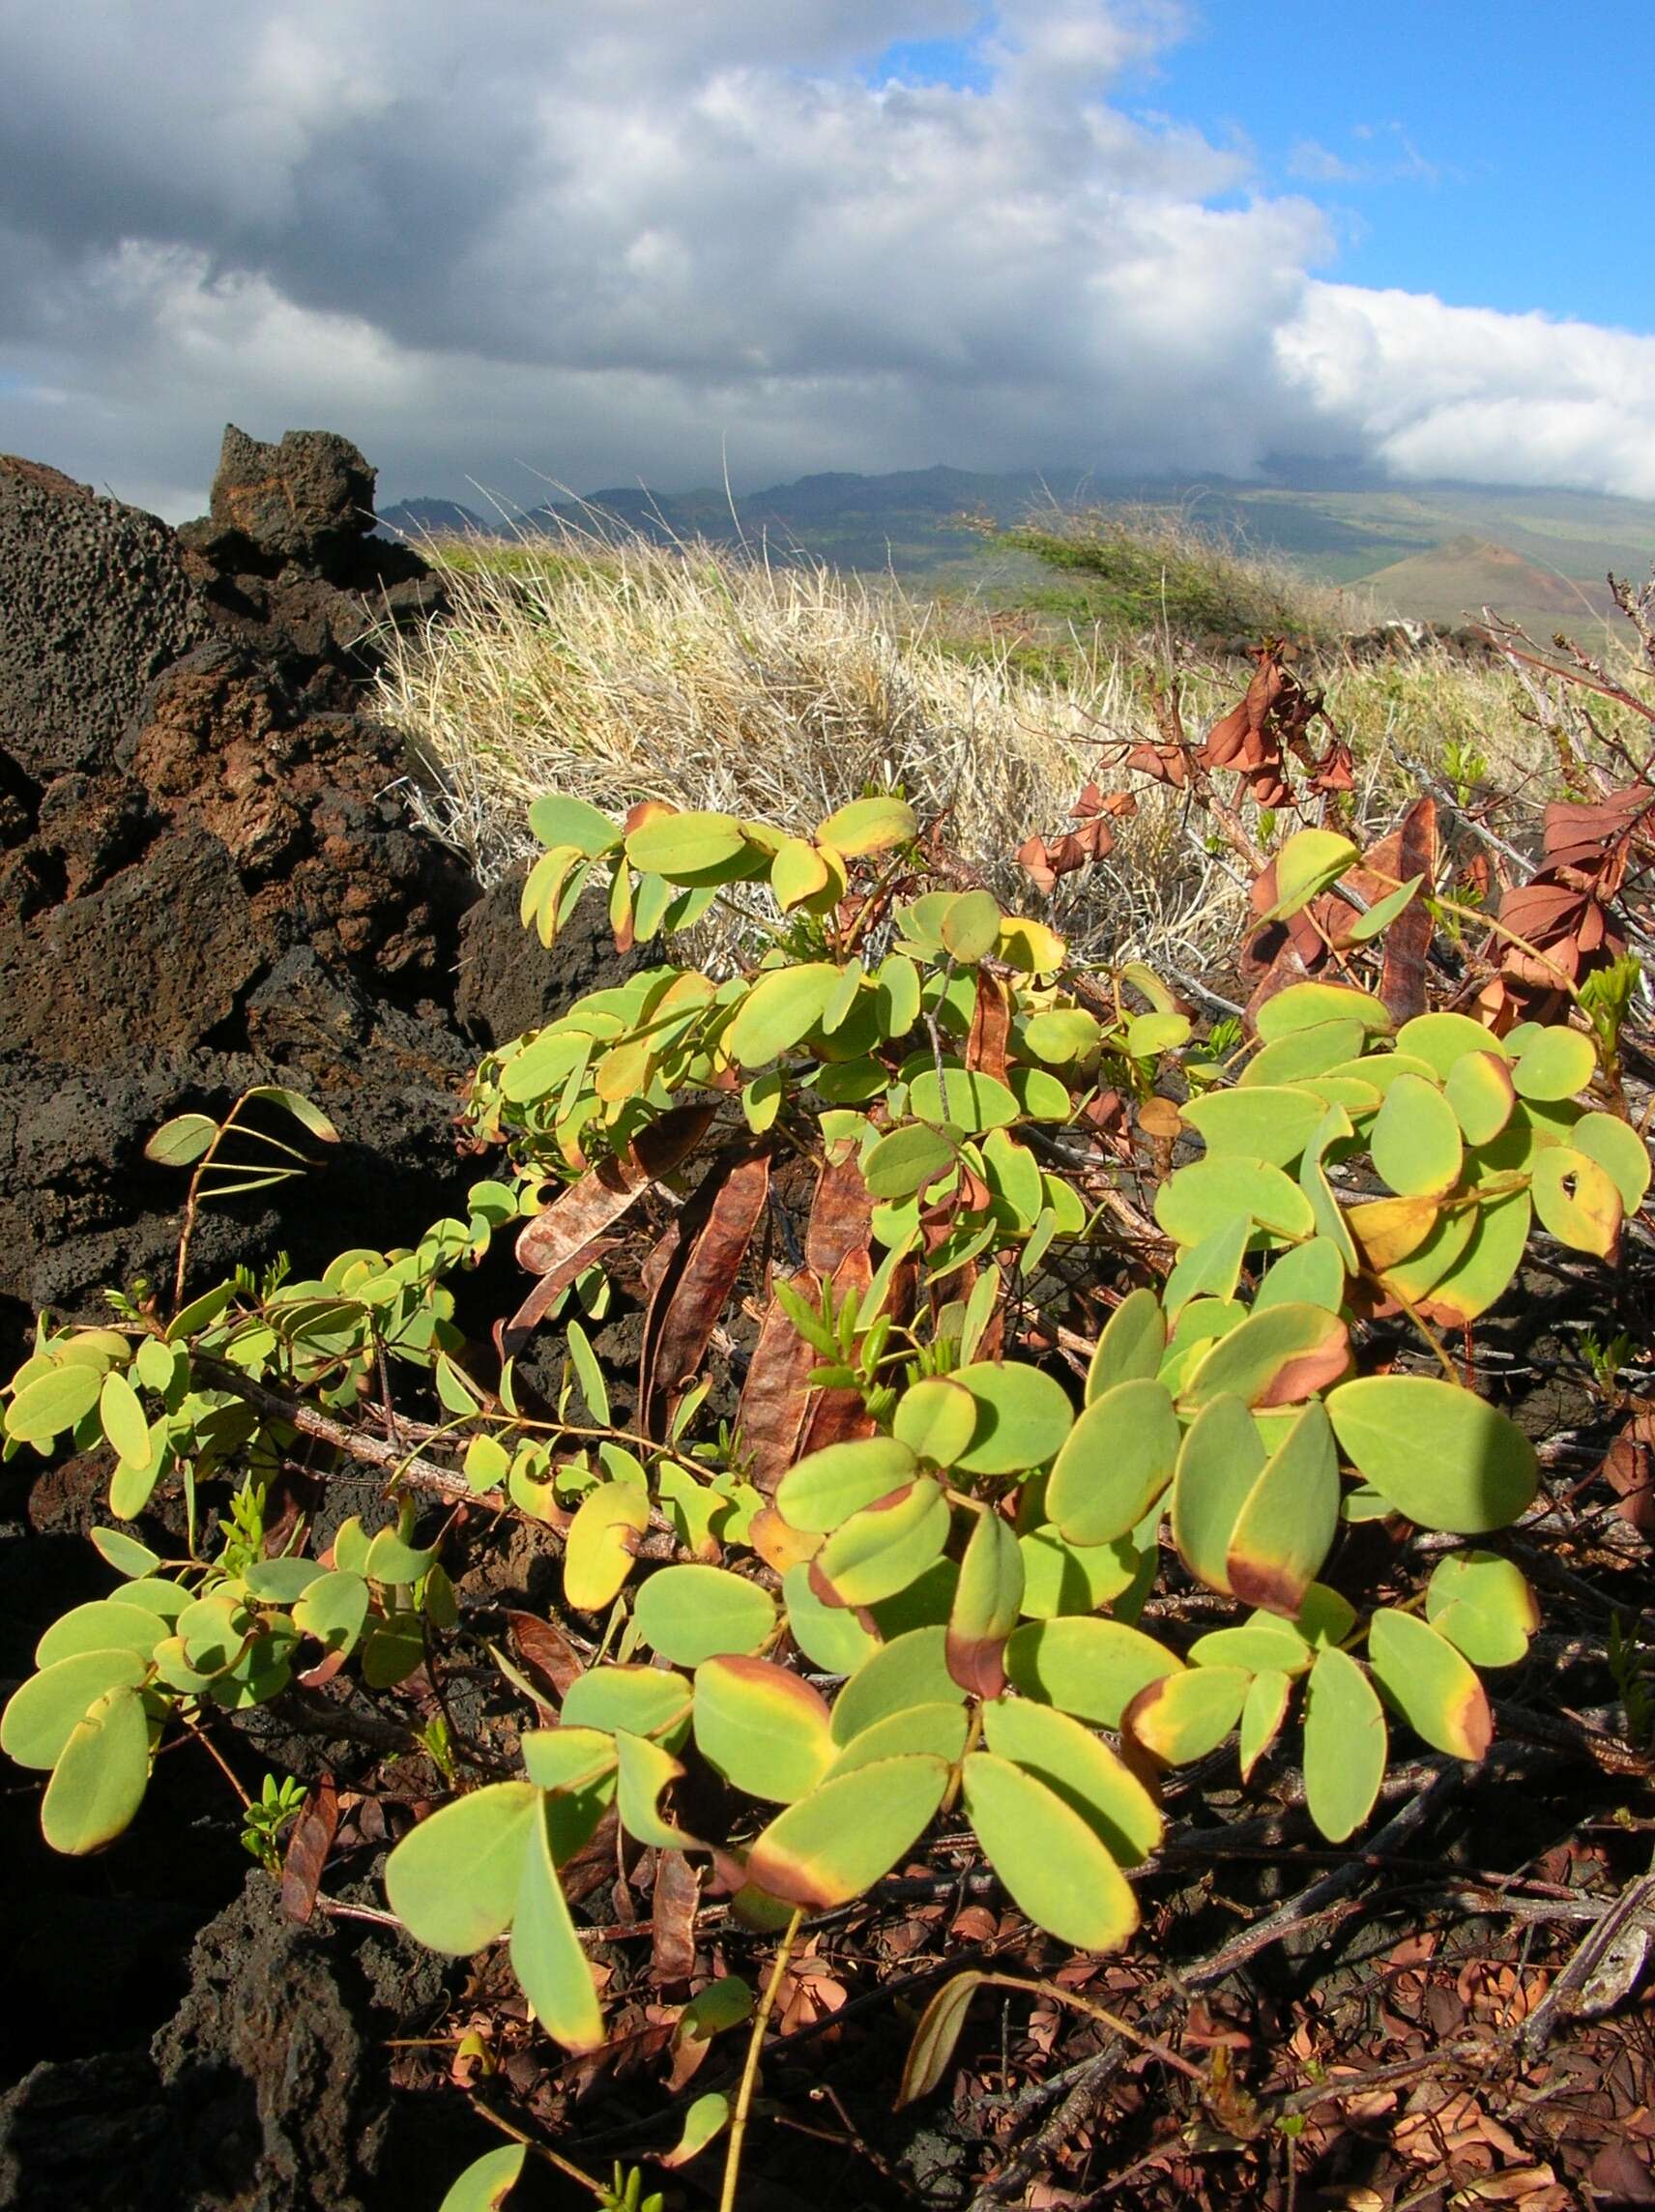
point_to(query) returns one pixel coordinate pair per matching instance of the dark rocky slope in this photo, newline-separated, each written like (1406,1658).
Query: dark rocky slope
(208,880)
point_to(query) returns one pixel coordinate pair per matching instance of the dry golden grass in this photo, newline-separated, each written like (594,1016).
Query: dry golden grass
(622,669)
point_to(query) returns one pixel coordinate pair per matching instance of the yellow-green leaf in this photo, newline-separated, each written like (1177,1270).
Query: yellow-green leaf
(547,1957)
(1093,1669)
(1344,1743)
(1115,1461)
(454,1880)
(689,1613)
(764,1729)
(1049,1858)
(839,1840)
(1429,1683)
(601,1543)
(1439,1454)
(1081,1769)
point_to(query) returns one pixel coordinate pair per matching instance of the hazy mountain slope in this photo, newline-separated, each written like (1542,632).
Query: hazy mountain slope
(1437,551)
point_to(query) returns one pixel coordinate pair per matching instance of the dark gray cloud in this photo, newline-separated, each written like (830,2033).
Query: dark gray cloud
(618,242)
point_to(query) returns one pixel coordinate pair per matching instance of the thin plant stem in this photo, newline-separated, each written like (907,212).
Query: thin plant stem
(750,2069)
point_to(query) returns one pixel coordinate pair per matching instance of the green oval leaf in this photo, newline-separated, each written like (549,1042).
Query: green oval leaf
(1275,1357)
(839,1840)
(962,1098)
(487,2182)
(908,1159)
(911,1669)
(692,1613)
(1442,1039)
(683,846)
(1093,1669)
(869,826)
(1484,1605)
(1439,1454)
(1288,1519)
(1209,1193)
(454,1880)
(98,1781)
(1620,1151)
(49,1404)
(1344,1743)
(644,1701)
(1480,1090)
(1429,1683)
(1221,1459)
(969,926)
(780,1008)
(1415,1143)
(1307,1006)
(1049,1858)
(44,1712)
(1130,1346)
(547,1957)
(829,1637)
(103,1624)
(1574,1198)
(1271,1122)
(1023,1417)
(1080,1769)
(1554,1064)
(825,1487)
(1115,1461)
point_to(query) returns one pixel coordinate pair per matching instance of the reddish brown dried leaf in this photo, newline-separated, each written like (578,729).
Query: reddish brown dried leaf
(841,1214)
(307,1848)
(775,1399)
(991,1027)
(676,1897)
(685,1311)
(603,1193)
(546,1651)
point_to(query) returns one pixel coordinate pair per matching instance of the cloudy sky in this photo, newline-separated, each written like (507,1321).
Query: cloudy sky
(613,241)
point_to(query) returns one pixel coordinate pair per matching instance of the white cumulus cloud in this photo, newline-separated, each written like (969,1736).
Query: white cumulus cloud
(617,243)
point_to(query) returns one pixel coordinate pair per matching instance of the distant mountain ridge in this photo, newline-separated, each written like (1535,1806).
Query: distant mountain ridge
(1436,550)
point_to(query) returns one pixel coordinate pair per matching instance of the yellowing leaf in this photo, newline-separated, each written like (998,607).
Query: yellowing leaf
(839,1840)
(987,1603)
(1573,1197)
(1429,1683)
(764,1729)
(869,826)
(600,1544)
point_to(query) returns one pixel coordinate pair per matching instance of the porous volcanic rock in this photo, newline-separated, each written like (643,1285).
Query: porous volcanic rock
(304,800)
(95,601)
(308,498)
(267,2091)
(208,873)
(287,560)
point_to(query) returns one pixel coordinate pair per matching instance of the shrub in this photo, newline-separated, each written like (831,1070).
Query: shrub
(997,1412)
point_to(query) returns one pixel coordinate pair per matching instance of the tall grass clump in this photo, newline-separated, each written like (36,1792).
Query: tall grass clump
(619,668)
(624,670)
